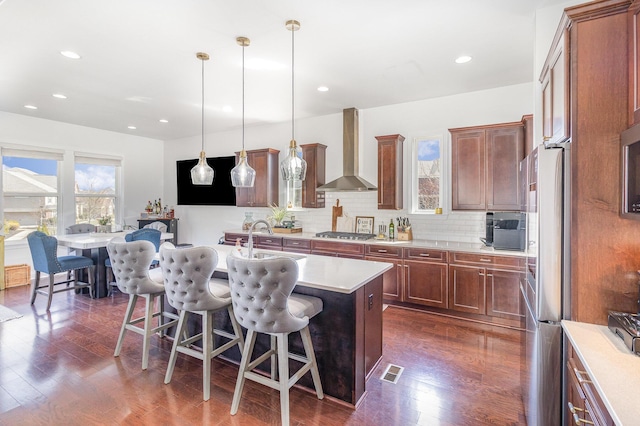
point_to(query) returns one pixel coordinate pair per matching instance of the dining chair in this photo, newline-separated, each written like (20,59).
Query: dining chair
(81,228)
(44,254)
(190,289)
(130,264)
(145,234)
(261,294)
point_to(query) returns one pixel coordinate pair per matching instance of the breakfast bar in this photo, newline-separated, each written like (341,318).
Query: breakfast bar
(347,334)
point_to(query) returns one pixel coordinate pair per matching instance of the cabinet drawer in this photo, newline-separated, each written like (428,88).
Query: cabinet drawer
(425,254)
(269,242)
(483,259)
(334,248)
(382,250)
(577,372)
(296,244)
(230,238)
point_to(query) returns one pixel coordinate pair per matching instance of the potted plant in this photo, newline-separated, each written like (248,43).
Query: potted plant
(104,224)
(278,214)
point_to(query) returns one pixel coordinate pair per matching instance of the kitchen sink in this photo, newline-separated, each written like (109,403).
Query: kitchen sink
(270,255)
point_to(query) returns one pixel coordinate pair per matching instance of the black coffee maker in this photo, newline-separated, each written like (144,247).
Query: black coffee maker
(505,231)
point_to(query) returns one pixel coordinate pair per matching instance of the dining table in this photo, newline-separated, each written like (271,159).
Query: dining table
(94,246)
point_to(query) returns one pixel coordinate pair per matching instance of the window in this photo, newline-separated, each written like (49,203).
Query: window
(30,189)
(97,189)
(428,177)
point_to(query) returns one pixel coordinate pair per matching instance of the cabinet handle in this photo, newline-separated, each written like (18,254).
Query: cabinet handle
(490,275)
(424,254)
(481,274)
(295,243)
(579,421)
(579,374)
(485,260)
(381,251)
(573,408)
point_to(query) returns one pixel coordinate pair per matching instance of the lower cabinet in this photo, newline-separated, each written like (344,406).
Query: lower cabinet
(503,294)
(467,289)
(584,405)
(426,277)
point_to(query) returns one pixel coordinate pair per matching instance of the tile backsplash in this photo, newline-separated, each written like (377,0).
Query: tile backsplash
(454,226)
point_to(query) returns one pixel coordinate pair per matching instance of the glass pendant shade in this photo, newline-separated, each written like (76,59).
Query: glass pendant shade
(242,175)
(202,173)
(293,167)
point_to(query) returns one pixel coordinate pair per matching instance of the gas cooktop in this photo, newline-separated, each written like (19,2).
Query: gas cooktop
(345,235)
(627,327)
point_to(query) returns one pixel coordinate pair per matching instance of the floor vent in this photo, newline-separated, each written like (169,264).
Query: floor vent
(392,373)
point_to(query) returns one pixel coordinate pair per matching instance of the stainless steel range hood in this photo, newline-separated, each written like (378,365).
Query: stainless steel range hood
(349,181)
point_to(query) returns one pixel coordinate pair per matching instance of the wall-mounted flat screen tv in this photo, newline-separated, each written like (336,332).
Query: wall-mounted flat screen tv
(221,193)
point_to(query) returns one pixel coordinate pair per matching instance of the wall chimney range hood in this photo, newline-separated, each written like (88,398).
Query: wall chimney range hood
(349,181)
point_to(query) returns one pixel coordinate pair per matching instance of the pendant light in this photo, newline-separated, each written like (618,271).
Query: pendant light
(242,175)
(202,173)
(293,167)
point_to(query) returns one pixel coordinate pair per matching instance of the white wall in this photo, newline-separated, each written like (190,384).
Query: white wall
(143,176)
(206,224)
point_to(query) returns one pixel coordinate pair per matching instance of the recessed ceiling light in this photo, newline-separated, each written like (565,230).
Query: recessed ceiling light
(31,107)
(323,89)
(227,108)
(131,127)
(59,96)
(69,54)
(162,120)
(463,59)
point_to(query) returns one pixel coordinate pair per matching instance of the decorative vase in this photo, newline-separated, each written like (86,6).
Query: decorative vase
(248,221)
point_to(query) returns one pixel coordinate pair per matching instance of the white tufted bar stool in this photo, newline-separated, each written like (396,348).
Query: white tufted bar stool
(263,303)
(130,262)
(191,290)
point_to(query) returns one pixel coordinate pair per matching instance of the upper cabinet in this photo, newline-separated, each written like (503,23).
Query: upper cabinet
(555,92)
(265,190)
(485,165)
(390,172)
(315,156)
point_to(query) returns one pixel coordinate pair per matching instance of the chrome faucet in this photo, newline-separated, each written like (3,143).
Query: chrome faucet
(251,228)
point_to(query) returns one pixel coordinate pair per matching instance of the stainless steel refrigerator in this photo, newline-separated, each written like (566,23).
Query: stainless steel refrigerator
(546,288)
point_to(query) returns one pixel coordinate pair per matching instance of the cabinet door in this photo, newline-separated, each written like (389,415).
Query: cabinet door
(503,294)
(505,150)
(392,280)
(468,170)
(315,156)
(467,289)
(426,283)
(555,93)
(390,172)
(265,189)
(634,64)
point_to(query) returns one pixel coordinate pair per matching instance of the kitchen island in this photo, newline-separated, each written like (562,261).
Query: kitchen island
(347,334)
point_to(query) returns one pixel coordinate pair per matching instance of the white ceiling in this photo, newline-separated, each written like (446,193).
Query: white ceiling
(138,57)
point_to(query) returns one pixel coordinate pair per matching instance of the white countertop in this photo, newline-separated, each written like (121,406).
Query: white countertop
(478,247)
(336,274)
(96,239)
(613,369)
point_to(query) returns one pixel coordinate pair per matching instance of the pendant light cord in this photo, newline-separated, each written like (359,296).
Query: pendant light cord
(243,46)
(293,31)
(203,105)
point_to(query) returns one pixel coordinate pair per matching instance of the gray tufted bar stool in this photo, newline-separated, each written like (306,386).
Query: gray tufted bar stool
(130,262)
(263,303)
(191,290)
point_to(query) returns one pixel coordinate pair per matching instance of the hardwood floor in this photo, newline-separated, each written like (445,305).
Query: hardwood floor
(58,368)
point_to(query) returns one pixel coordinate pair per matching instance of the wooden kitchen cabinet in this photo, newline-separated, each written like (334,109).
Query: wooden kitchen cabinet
(390,174)
(634,63)
(584,404)
(336,248)
(393,279)
(503,294)
(485,166)
(296,245)
(426,277)
(555,91)
(265,190)
(315,156)
(467,289)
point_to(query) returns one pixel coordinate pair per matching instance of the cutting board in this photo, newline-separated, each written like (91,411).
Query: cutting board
(336,212)
(345,224)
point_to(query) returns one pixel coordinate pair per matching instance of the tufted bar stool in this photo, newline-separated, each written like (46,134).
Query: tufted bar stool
(130,263)
(263,303)
(191,290)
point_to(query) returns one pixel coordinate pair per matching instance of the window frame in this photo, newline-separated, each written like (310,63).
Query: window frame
(100,160)
(445,170)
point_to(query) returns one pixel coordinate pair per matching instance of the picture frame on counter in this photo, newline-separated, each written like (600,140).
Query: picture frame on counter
(364,225)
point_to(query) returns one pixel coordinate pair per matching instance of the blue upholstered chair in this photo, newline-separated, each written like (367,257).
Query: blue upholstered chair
(145,234)
(261,294)
(44,253)
(130,263)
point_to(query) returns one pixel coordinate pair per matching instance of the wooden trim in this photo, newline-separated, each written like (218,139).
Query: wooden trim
(487,126)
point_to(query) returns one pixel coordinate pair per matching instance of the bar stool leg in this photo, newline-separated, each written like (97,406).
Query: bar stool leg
(148,318)
(207,349)
(311,356)
(51,281)
(244,363)
(274,358)
(127,319)
(180,334)
(283,376)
